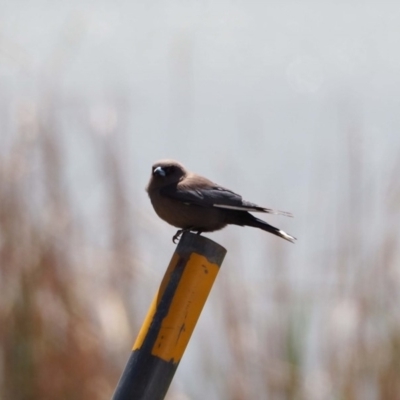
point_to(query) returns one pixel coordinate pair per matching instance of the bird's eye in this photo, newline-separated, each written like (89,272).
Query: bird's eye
(164,171)
(159,171)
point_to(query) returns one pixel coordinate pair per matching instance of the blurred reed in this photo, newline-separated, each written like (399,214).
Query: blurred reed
(65,302)
(339,339)
(54,285)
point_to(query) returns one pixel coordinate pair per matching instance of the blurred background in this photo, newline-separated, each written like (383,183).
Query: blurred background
(295,105)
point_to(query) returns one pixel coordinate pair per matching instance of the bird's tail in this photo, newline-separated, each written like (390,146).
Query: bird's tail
(246,219)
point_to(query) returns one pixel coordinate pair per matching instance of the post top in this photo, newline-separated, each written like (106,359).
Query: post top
(193,243)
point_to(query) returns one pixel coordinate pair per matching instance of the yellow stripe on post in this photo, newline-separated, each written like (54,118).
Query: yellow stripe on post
(190,296)
(171,319)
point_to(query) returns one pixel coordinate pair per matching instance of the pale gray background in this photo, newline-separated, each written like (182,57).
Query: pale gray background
(264,97)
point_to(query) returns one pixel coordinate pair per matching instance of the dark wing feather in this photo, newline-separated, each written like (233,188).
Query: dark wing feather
(207,194)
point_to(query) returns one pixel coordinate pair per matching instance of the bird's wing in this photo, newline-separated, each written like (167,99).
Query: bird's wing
(204,193)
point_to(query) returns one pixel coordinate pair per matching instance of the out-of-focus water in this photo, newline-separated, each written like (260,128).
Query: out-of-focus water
(261,97)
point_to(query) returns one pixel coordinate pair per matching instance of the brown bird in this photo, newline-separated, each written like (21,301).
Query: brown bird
(193,203)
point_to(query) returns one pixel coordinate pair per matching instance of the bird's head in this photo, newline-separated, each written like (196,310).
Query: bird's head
(166,172)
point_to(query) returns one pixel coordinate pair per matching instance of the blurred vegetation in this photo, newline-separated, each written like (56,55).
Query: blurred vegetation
(340,342)
(52,339)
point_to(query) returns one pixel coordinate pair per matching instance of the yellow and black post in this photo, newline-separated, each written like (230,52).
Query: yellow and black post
(171,319)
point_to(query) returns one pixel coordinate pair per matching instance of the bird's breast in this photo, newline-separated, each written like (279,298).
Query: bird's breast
(186,215)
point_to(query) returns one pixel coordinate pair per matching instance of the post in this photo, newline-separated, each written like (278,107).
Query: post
(171,319)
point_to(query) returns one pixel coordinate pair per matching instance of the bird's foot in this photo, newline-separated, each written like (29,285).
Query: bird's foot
(178,233)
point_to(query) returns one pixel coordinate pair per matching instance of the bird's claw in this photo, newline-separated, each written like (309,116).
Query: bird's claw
(177,235)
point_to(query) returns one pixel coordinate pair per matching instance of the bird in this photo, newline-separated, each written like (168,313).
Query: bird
(193,203)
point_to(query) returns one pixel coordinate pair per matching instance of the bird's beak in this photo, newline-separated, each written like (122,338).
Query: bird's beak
(159,171)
